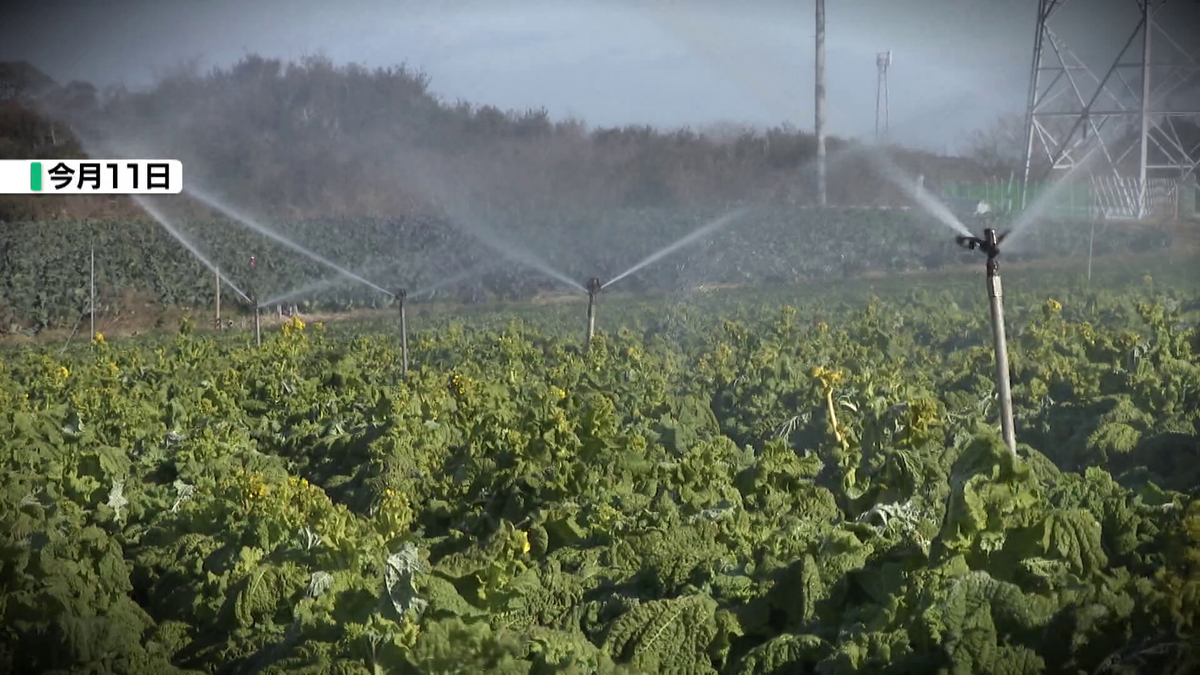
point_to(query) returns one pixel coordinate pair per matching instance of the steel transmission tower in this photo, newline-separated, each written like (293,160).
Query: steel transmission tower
(1072,115)
(883,61)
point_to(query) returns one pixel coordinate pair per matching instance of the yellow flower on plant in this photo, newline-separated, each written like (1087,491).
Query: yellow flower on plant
(98,339)
(827,376)
(293,325)
(255,488)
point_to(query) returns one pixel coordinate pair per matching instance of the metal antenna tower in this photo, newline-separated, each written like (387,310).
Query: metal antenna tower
(883,105)
(1071,114)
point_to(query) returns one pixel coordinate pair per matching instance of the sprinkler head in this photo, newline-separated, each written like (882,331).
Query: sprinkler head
(400,294)
(594,286)
(989,244)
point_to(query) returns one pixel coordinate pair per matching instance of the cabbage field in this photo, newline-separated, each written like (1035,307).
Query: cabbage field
(804,479)
(45,266)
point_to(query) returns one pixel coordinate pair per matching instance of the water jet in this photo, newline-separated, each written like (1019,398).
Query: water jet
(251,224)
(915,190)
(674,246)
(177,234)
(990,245)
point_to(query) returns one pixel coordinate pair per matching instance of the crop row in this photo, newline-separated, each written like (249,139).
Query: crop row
(44,267)
(809,488)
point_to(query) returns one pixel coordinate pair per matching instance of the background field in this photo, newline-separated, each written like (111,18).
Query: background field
(44,266)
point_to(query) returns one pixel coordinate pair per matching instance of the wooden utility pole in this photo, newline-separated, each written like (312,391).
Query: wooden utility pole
(820,102)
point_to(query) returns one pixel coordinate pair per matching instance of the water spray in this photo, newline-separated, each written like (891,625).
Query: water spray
(990,245)
(593,287)
(254,301)
(400,295)
(174,231)
(683,241)
(232,214)
(915,190)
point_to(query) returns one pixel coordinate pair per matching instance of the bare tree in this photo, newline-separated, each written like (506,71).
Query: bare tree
(999,148)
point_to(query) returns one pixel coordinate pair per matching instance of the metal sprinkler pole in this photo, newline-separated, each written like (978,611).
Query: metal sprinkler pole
(92,292)
(593,287)
(1091,243)
(400,296)
(217,270)
(254,301)
(996,300)
(990,244)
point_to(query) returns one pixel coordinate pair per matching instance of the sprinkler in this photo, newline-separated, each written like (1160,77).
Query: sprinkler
(990,245)
(593,287)
(400,295)
(254,301)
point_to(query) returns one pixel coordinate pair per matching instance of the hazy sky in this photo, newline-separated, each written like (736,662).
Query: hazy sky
(957,63)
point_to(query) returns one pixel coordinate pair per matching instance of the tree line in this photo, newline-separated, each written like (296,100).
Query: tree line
(311,138)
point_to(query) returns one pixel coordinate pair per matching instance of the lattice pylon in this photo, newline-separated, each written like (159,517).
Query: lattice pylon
(883,106)
(1077,121)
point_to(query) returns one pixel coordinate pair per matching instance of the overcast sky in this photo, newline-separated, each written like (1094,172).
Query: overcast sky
(957,63)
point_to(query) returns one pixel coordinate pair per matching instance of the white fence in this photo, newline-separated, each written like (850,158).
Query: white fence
(1122,198)
(1100,197)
